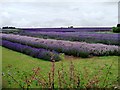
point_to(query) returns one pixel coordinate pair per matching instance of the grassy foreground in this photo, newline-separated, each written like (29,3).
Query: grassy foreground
(17,64)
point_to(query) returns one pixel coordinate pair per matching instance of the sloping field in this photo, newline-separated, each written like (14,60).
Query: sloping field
(18,64)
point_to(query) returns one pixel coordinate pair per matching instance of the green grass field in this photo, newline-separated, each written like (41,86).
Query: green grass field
(85,66)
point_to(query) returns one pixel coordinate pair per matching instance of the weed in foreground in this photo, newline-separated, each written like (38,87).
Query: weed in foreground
(65,78)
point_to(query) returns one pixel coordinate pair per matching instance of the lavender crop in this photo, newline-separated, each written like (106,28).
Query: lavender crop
(34,52)
(110,39)
(81,49)
(82,29)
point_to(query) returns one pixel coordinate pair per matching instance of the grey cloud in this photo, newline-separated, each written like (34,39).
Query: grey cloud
(59,0)
(119,12)
(35,14)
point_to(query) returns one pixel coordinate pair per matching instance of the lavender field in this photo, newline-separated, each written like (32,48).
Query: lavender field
(80,42)
(70,48)
(60,44)
(70,29)
(53,45)
(90,37)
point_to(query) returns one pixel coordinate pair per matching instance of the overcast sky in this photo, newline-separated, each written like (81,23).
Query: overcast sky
(35,13)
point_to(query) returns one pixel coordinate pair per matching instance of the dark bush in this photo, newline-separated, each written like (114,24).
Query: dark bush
(116,29)
(118,25)
(8,27)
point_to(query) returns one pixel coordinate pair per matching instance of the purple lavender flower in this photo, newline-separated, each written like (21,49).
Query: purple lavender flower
(34,52)
(67,47)
(111,38)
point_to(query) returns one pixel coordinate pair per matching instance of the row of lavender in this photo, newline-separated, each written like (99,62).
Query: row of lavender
(81,29)
(31,51)
(90,37)
(81,49)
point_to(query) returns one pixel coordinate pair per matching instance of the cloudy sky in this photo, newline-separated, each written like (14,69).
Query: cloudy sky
(58,13)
